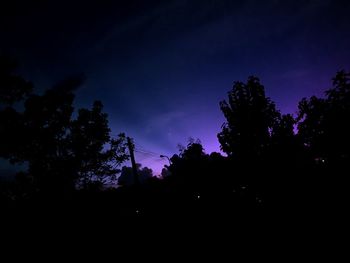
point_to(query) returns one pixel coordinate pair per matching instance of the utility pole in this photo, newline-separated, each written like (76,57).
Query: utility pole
(132,157)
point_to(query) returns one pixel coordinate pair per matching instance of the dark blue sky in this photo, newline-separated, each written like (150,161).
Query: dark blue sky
(161,67)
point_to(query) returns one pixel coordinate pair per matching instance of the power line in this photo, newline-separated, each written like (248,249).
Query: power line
(143,149)
(140,159)
(138,147)
(147,153)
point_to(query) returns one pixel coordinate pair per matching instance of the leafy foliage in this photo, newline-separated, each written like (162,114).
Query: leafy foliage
(95,160)
(324,123)
(250,116)
(60,152)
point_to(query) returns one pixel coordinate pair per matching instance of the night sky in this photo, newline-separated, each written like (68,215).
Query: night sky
(161,67)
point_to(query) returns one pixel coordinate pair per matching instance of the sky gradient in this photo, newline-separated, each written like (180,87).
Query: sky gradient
(161,67)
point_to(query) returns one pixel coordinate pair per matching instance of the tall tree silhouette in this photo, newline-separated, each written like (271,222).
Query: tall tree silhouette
(46,121)
(60,151)
(250,117)
(324,128)
(96,161)
(324,123)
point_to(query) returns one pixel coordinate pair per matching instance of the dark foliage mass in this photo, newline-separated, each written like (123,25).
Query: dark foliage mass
(251,119)
(61,153)
(126,177)
(274,162)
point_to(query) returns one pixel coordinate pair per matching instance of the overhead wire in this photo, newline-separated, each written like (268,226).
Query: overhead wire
(145,153)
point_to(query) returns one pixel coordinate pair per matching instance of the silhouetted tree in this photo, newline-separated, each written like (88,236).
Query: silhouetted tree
(47,120)
(193,151)
(324,128)
(60,152)
(94,152)
(286,148)
(324,123)
(189,167)
(165,172)
(261,143)
(250,118)
(126,177)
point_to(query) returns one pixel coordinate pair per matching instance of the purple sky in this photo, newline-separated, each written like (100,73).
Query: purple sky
(161,67)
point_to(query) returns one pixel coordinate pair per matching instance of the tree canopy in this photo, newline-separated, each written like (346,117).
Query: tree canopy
(324,123)
(60,151)
(250,118)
